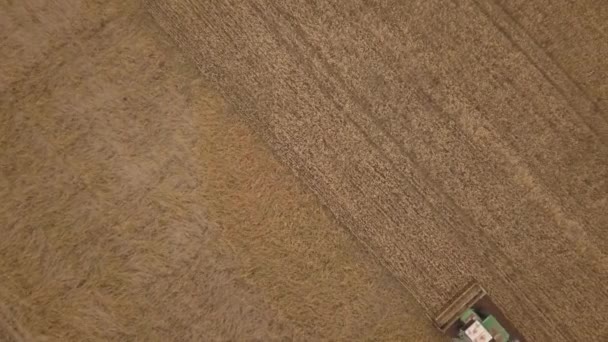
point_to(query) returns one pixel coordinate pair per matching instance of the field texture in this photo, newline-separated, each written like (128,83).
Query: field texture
(455,139)
(135,207)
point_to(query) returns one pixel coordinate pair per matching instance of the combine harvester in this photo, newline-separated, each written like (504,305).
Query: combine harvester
(473,317)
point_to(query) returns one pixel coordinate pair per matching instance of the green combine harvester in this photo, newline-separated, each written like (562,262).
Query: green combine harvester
(477,329)
(471,316)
